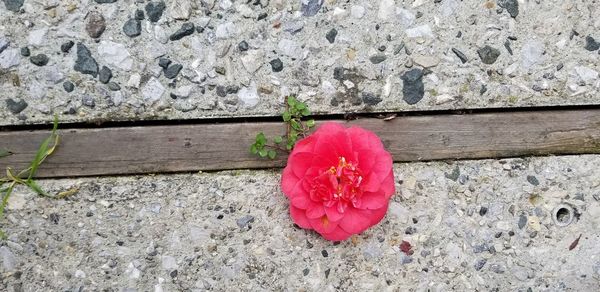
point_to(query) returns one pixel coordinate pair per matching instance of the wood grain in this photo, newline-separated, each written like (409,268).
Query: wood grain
(182,148)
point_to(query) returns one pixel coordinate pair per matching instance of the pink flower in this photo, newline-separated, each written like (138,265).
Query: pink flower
(339,181)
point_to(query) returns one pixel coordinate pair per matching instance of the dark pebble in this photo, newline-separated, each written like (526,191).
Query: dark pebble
(66,47)
(324,253)
(330,35)
(232,89)
(533,234)
(220,70)
(221,91)
(114,86)
(459,34)
(276,65)
(105,74)
(454,175)
(13,5)
(164,63)
(483,211)
(39,60)
(460,55)
(16,106)
(488,54)
(185,30)
(559,66)
(413,89)
(173,70)
(370,98)
(591,44)
(173,274)
(498,234)
(311,7)
(68,86)
(55,218)
(155,10)
(533,180)
(376,59)
(199,29)
(327,273)
(382,48)
(305,271)
(105,1)
(483,89)
(243,46)
(139,14)
(512,38)
(132,28)
(25,52)
(511,233)
(511,6)
(507,46)
(410,230)
(261,16)
(85,63)
(479,264)
(522,221)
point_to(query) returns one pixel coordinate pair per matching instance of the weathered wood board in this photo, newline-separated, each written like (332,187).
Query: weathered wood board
(181,148)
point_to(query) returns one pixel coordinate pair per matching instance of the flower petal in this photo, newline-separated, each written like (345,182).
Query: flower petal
(356,221)
(301,201)
(315,211)
(300,163)
(337,235)
(377,215)
(305,145)
(288,181)
(364,139)
(374,200)
(388,186)
(333,214)
(322,225)
(299,217)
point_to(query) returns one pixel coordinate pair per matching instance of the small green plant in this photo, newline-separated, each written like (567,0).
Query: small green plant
(25,177)
(296,128)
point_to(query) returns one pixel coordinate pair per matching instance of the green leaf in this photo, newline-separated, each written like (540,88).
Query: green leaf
(4,152)
(305,112)
(300,106)
(291,101)
(253,149)
(287,116)
(277,139)
(261,139)
(262,153)
(310,123)
(44,149)
(272,154)
(36,188)
(289,146)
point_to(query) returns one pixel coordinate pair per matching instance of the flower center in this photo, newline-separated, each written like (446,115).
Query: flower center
(339,185)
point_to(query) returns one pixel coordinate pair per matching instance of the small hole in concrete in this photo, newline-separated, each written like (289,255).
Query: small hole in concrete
(563,215)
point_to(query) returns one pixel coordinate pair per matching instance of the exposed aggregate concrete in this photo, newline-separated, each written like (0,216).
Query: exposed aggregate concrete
(484,225)
(339,56)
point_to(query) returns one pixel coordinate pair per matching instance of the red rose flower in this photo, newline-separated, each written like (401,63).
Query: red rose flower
(339,181)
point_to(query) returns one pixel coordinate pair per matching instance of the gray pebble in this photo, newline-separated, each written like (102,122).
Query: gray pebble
(85,63)
(413,89)
(39,60)
(276,65)
(173,70)
(507,47)
(132,28)
(463,58)
(488,54)
(245,221)
(376,59)
(139,14)
(591,44)
(68,86)
(105,74)
(105,1)
(330,35)
(16,106)
(243,46)
(66,46)
(533,180)
(164,63)
(13,5)
(479,264)
(311,7)
(511,6)
(370,98)
(497,268)
(88,101)
(185,30)
(113,86)
(522,221)
(155,10)
(25,52)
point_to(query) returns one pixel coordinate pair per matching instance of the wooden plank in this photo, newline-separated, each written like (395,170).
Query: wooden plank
(180,148)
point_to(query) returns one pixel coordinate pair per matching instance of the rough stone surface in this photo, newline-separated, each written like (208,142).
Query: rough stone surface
(231,231)
(85,63)
(413,89)
(96,24)
(241,38)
